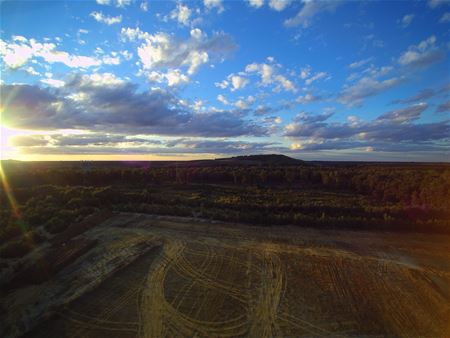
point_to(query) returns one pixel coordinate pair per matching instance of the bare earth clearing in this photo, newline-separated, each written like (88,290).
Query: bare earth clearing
(165,276)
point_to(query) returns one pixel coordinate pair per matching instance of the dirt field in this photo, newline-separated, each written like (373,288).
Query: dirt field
(209,279)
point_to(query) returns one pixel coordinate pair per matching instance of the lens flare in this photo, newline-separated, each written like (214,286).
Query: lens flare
(9,195)
(15,207)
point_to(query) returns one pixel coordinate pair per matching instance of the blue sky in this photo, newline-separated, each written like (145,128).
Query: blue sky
(122,79)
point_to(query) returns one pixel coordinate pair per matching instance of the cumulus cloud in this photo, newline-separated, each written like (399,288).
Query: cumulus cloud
(116,3)
(223,84)
(214,4)
(360,63)
(237,82)
(310,9)
(422,55)
(28,140)
(256,3)
(444,107)
(245,103)
(19,52)
(109,20)
(307,98)
(79,139)
(108,103)
(133,34)
(144,6)
(315,77)
(181,13)
(284,83)
(424,94)
(391,131)
(222,99)
(269,75)
(161,50)
(404,115)
(53,82)
(279,5)
(445,18)
(367,86)
(407,19)
(175,78)
(436,3)
(305,72)
(94,143)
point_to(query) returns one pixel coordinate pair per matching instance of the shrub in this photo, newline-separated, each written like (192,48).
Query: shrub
(9,232)
(15,249)
(56,225)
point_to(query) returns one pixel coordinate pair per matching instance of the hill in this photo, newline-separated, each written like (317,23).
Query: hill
(262,160)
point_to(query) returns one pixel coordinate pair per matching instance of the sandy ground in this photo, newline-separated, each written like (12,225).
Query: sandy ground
(175,277)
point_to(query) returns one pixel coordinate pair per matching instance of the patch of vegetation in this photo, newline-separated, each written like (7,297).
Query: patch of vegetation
(394,197)
(15,249)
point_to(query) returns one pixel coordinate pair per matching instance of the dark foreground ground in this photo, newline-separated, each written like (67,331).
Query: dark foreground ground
(158,276)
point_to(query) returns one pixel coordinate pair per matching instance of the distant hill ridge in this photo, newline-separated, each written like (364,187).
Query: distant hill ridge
(269,159)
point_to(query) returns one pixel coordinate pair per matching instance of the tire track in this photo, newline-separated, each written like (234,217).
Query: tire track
(264,312)
(153,305)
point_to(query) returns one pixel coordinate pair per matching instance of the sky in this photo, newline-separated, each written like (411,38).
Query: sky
(163,80)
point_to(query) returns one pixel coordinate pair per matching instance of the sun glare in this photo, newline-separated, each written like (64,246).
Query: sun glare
(6,150)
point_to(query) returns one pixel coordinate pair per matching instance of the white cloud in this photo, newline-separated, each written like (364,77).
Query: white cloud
(407,19)
(309,10)
(144,6)
(101,80)
(16,55)
(53,83)
(358,64)
(117,3)
(109,20)
(245,103)
(122,3)
(279,5)
(286,84)
(241,104)
(210,4)
(264,70)
(307,98)
(269,76)
(197,34)
(316,77)
(111,60)
(222,99)
(367,86)
(126,55)
(175,78)
(237,82)
(181,14)
(436,3)
(224,84)
(305,72)
(445,18)
(161,50)
(421,55)
(30,70)
(133,34)
(155,76)
(256,3)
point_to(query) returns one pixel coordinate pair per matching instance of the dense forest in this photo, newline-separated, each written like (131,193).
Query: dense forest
(43,199)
